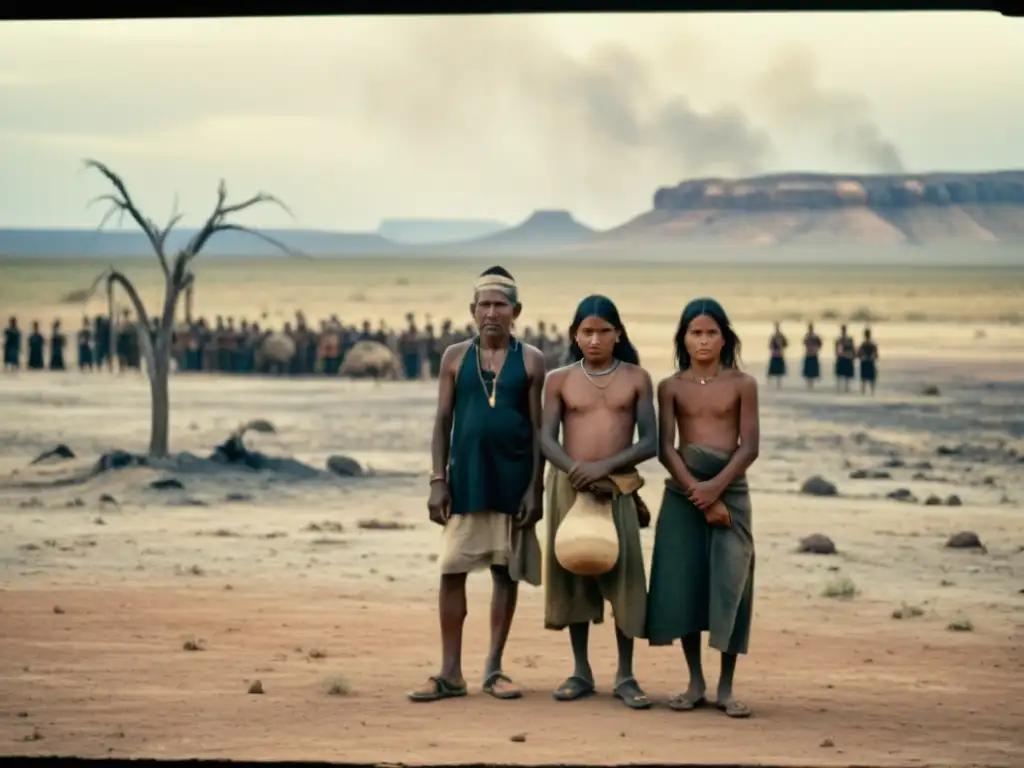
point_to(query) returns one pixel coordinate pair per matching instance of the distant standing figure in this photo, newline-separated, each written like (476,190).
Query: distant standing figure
(845,352)
(85,360)
(57,343)
(12,345)
(812,350)
(777,361)
(36,349)
(868,356)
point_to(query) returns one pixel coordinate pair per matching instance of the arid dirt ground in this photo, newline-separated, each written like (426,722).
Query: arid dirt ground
(327,585)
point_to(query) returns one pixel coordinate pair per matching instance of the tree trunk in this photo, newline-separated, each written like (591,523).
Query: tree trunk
(160,408)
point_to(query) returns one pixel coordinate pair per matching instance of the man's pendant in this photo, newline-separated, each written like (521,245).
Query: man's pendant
(492,398)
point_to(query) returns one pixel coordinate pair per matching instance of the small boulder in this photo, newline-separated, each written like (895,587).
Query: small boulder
(901,494)
(816,544)
(344,466)
(818,486)
(931,390)
(953,501)
(965,540)
(933,501)
(167,484)
(60,452)
(894,462)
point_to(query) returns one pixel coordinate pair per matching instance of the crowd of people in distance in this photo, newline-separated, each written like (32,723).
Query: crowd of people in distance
(225,346)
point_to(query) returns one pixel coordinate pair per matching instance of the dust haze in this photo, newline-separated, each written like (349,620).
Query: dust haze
(610,113)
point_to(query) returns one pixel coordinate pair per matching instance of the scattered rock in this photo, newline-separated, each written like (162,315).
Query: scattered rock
(518,738)
(828,742)
(99,521)
(894,462)
(33,502)
(907,612)
(901,494)
(933,501)
(818,486)
(965,540)
(120,460)
(106,498)
(344,466)
(193,644)
(58,453)
(75,502)
(58,609)
(870,474)
(167,484)
(817,544)
(383,525)
(931,390)
(953,500)
(238,497)
(256,687)
(960,624)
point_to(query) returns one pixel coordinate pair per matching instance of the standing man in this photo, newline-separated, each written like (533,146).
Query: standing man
(598,401)
(702,570)
(777,345)
(12,345)
(867,353)
(845,353)
(812,361)
(487,483)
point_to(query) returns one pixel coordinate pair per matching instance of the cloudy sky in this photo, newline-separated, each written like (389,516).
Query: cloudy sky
(350,120)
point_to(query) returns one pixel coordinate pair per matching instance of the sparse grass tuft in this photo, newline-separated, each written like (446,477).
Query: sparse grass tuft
(840,588)
(337,686)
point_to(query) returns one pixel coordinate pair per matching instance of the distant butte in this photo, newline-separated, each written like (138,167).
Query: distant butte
(797,208)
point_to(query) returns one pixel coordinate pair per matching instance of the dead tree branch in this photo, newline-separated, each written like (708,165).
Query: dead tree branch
(122,203)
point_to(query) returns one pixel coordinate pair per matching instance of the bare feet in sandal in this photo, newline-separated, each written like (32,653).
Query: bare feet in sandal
(689,700)
(732,707)
(437,688)
(500,686)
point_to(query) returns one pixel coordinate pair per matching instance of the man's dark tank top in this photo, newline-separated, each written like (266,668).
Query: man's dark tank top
(491,457)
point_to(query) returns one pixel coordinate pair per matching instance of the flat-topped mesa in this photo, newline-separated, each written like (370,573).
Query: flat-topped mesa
(821,191)
(551,219)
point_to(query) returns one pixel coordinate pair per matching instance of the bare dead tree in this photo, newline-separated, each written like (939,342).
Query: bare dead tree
(178,280)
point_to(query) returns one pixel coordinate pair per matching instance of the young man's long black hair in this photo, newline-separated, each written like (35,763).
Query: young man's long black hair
(603,308)
(707,307)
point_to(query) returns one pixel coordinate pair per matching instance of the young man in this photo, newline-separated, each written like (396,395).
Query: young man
(487,483)
(598,400)
(702,570)
(867,353)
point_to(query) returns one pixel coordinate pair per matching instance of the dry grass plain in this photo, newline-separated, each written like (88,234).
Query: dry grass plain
(286,582)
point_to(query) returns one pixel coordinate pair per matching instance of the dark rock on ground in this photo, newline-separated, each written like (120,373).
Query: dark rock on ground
(894,462)
(870,474)
(901,494)
(238,497)
(931,390)
(167,484)
(120,460)
(344,466)
(106,498)
(965,540)
(818,486)
(953,501)
(817,544)
(59,452)
(933,501)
